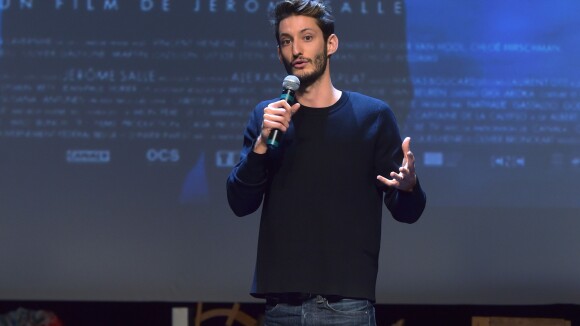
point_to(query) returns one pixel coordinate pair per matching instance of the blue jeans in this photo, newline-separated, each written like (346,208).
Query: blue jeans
(318,311)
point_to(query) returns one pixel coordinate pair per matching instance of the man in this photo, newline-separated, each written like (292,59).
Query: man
(323,188)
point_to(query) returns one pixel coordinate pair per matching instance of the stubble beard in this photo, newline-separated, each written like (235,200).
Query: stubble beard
(308,79)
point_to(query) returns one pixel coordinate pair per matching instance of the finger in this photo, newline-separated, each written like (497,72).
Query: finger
(280,108)
(408,177)
(396,176)
(294,108)
(410,157)
(290,110)
(408,180)
(411,162)
(406,144)
(388,182)
(279,104)
(275,114)
(275,122)
(275,110)
(282,104)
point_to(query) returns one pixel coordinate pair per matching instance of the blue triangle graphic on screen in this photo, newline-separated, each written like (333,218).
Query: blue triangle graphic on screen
(195,187)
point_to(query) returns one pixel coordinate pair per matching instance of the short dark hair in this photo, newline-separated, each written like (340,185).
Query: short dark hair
(316,9)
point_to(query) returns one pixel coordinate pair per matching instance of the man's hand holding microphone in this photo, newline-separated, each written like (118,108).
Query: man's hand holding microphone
(277,116)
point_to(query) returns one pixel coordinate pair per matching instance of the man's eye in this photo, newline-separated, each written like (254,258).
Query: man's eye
(308,38)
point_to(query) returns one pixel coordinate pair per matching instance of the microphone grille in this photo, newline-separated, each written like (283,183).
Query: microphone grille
(291,82)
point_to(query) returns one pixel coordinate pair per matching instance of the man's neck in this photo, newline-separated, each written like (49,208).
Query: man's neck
(321,94)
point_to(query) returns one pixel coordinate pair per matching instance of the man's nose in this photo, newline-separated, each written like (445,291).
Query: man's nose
(296,49)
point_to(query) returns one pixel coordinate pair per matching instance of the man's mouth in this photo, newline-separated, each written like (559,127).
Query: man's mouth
(299,63)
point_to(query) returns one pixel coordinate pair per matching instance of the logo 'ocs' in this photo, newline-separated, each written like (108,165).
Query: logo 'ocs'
(163,155)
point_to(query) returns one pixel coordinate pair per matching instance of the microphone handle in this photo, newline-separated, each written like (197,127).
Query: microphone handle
(275,136)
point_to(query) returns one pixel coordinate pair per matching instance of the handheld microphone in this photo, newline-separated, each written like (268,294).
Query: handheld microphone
(289,86)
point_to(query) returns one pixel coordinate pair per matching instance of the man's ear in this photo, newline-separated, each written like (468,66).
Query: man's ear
(332,44)
(279,54)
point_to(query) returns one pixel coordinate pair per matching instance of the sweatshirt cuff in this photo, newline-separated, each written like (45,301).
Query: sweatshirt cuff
(253,170)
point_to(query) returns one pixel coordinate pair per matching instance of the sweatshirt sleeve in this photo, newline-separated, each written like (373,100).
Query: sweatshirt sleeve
(404,206)
(247,181)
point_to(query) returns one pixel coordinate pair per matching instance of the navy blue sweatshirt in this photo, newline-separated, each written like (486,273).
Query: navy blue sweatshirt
(320,225)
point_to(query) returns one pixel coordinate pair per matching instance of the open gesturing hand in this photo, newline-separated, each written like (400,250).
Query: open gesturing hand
(406,178)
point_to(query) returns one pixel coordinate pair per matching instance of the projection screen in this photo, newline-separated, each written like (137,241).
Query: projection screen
(120,121)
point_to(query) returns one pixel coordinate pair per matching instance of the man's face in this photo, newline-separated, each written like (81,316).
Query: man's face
(302,49)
